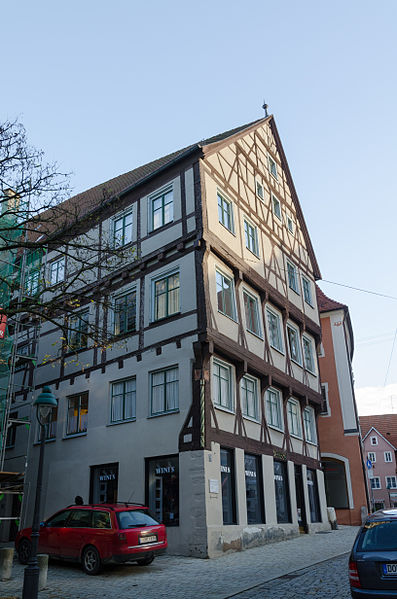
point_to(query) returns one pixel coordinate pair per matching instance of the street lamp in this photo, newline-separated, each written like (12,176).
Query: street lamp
(44,402)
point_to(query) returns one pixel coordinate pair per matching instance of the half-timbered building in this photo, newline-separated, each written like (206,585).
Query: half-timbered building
(204,405)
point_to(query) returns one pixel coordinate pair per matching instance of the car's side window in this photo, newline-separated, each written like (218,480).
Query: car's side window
(59,519)
(80,519)
(101,520)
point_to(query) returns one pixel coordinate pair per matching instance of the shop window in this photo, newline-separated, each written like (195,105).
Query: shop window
(335,483)
(104,483)
(228,491)
(162,488)
(314,502)
(253,489)
(281,486)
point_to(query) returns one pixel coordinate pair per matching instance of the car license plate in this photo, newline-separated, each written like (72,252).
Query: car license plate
(151,539)
(390,569)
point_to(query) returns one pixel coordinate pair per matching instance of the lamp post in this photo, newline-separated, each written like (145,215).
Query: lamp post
(45,402)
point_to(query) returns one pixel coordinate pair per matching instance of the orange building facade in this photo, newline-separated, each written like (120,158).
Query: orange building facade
(338,426)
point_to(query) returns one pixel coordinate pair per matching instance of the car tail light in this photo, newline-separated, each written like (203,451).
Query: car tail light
(122,536)
(354,577)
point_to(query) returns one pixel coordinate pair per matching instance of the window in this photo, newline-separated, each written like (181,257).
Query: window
(225,295)
(294,418)
(162,489)
(227,484)
(101,519)
(166,296)
(57,271)
(259,190)
(249,397)
(308,354)
(274,414)
(292,278)
(375,482)
(335,483)
(80,519)
(225,213)
(50,427)
(161,209)
(281,487)
(123,400)
(325,409)
(307,291)
(253,489)
(273,168)
(12,430)
(290,224)
(391,482)
(222,383)
(122,229)
(388,457)
(78,330)
(32,282)
(77,416)
(273,321)
(124,310)
(164,386)
(251,238)
(374,440)
(309,421)
(372,456)
(294,344)
(252,314)
(276,207)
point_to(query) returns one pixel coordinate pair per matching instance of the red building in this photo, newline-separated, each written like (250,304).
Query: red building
(338,426)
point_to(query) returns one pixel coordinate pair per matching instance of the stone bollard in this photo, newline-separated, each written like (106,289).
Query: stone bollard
(42,560)
(332,518)
(6,557)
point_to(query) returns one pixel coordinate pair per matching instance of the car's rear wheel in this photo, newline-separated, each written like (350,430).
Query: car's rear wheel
(24,551)
(91,560)
(145,561)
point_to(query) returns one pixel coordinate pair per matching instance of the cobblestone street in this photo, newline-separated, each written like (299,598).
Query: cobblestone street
(245,575)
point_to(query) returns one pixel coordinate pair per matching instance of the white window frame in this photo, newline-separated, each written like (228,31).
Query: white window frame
(388,454)
(293,281)
(156,279)
(279,409)
(374,440)
(373,480)
(252,297)
(117,217)
(116,297)
(310,425)
(161,193)
(164,384)
(276,202)
(220,195)
(276,315)
(307,291)
(273,168)
(230,278)
(393,479)
(229,405)
(51,265)
(246,413)
(133,401)
(294,418)
(290,225)
(258,187)
(309,344)
(251,238)
(373,458)
(295,330)
(324,387)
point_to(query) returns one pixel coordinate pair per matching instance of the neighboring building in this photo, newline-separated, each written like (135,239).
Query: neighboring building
(380,443)
(338,427)
(205,405)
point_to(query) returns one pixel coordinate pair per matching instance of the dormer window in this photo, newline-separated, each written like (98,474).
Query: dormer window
(374,440)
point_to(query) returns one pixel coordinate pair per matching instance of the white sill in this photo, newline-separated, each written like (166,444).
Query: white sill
(121,422)
(223,408)
(309,304)
(227,316)
(297,363)
(296,437)
(314,443)
(294,290)
(311,372)
(280,351)
(253,253)
(66,437)
(176,411)
(257,335)
(276,428)
(251,419)
(225,227)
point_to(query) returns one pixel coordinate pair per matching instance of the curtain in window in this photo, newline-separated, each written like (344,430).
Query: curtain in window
(173,294)
(171,377)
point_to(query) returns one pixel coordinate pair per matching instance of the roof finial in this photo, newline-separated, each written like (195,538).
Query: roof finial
(265,108)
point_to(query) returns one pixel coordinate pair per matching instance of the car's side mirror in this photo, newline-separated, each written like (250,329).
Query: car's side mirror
(43,524)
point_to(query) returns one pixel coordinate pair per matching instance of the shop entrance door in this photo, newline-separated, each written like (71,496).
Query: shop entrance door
(104,483)
(300,500)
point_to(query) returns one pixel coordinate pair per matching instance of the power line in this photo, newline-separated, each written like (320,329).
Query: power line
(391,354)
(362,290)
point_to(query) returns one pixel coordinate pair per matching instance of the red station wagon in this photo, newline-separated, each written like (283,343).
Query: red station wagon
(96,534)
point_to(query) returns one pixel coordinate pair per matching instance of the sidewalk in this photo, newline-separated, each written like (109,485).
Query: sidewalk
(189,578)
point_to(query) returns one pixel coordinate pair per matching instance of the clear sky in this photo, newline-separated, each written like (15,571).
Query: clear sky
(103,87)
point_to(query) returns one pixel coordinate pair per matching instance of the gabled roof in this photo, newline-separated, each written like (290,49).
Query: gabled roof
(385,424)
(326,304)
